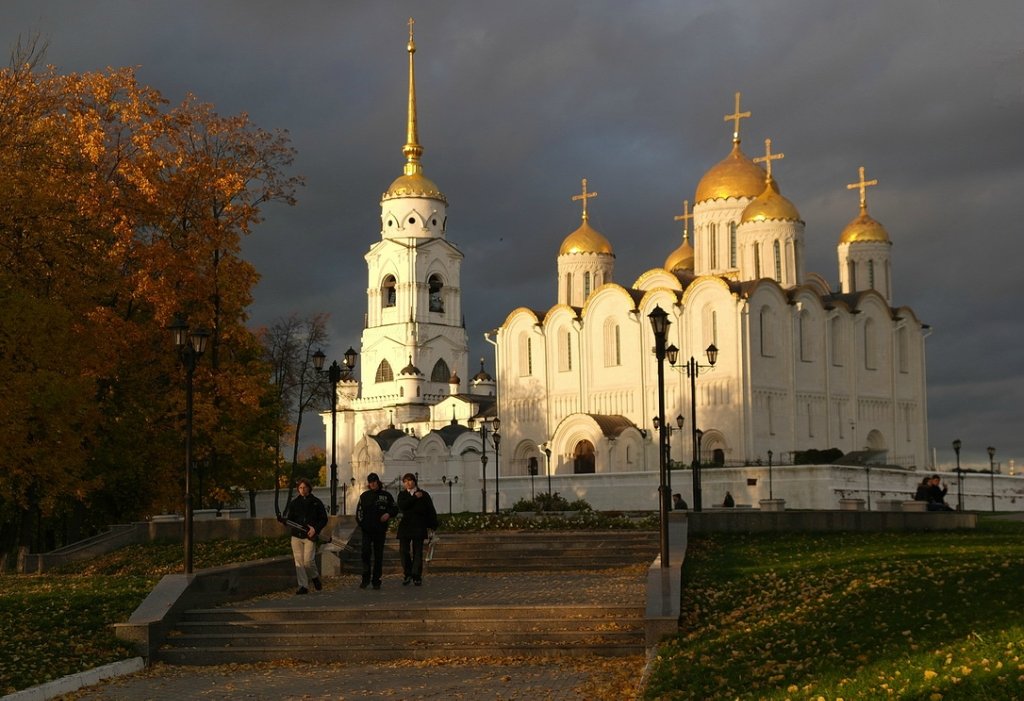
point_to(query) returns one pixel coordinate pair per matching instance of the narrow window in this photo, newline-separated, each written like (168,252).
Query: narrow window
(713,244)
(387,292)
(871,274)
(903,349)
(529,356)
(586,285)
(732,244)
(384,373)
(778,261)
(435,286)
(852,274)
(757,261)
(869,344)
(568,288)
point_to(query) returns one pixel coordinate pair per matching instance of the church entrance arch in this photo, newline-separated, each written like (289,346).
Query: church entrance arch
(583,458)
(875,440)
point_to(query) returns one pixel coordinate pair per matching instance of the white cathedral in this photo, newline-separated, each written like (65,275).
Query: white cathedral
(799,366)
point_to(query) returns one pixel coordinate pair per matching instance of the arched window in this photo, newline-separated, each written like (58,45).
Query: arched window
(435,286)
(583,458)
(713,244)
(838,342)
(440,373)
(612,347)
(525,354)
(767,332)
(871,274)
(778,261)
(568,288)
(732,244)
(757,261)
(586,285)
(852,274)
(384,372)
(903,349)
(870,344)
(387,292)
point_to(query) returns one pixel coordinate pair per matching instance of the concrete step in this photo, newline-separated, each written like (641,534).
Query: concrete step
(471,613)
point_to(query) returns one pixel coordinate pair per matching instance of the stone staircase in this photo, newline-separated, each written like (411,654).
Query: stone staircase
(485,594)
(524,551)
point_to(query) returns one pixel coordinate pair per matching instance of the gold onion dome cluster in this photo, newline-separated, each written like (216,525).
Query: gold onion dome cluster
(734,176)
(680,259)
(865,229)
(415,185)
(585,239)
(770,206)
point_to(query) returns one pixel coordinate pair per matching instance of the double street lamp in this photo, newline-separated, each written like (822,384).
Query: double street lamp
(451,483)
(547,455)
(334,377)
(496,437)
(959,477)
(693,369)
(191,345)
(680,420)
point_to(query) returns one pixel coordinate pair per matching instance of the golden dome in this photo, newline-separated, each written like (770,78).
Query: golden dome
(770,206)
(415,185)
(734,176)
(681,258)
(864,228)
(585,239)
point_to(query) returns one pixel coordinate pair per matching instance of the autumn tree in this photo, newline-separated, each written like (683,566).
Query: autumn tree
(119,213)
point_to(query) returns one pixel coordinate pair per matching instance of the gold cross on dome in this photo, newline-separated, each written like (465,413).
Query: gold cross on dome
(735,117)
(863,186)
(768,157)
(411,23)
(584,195)
(684,218)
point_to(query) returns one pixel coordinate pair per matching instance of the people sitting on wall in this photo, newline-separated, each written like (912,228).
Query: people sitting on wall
(729,502)
(922,489)
(937,495)
(678,504)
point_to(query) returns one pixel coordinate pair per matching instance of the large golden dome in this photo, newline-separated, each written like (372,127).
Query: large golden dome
(864,228)
(585,239)
(415,185)
(770,206)
(734,176)
(681,258)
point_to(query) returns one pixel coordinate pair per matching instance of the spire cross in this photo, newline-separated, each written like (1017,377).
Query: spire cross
(735,117)
(863,186)
(768,157)
(684,218)
(411,23)
(584,195)
(412,149)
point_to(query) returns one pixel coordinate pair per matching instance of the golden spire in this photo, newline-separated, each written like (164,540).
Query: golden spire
(584,195)
(768,157)
(685,218)
(863,185)
(412,149)
(735,117)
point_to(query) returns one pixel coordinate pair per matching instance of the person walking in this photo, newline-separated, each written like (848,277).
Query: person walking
(419,517)
(375,508)
(306,516)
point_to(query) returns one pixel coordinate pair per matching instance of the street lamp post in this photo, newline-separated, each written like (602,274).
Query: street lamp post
(531,467)
(680,420)
(959,477)
(334,377)
(771,494)
(693,368)
(547,454)
(496,437)
(451,483)
(191,345)
(659,325)
(992,475)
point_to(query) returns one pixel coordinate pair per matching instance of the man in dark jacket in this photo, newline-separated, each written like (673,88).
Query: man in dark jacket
(937,495)
(376,507)
(306,516)
(418,517)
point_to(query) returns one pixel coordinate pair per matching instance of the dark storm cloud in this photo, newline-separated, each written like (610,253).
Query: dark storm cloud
(518,101)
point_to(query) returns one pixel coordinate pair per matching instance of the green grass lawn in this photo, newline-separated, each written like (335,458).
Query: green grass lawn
(850,616)
(60,623)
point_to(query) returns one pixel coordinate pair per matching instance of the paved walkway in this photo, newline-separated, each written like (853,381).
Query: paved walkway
(443,678)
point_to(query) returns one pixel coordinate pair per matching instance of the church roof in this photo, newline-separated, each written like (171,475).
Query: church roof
(864,229)
(585,239)
(386,438)
(770,205)
(451,432)
(612,425)
(734,176)
(681,258)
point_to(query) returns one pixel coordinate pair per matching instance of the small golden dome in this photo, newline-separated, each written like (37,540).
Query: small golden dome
(681,258)
(585,239)
(735,176)
(415,185)
(770,206)
(864,228)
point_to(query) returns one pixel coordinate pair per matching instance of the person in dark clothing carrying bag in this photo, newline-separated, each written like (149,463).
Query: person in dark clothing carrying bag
(376,507)
(306,516)
(418,518)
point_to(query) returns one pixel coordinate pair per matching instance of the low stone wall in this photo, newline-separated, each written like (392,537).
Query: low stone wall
(753,521)
(174,594)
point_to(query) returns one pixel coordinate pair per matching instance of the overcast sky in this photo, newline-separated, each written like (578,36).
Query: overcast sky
(519,100)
